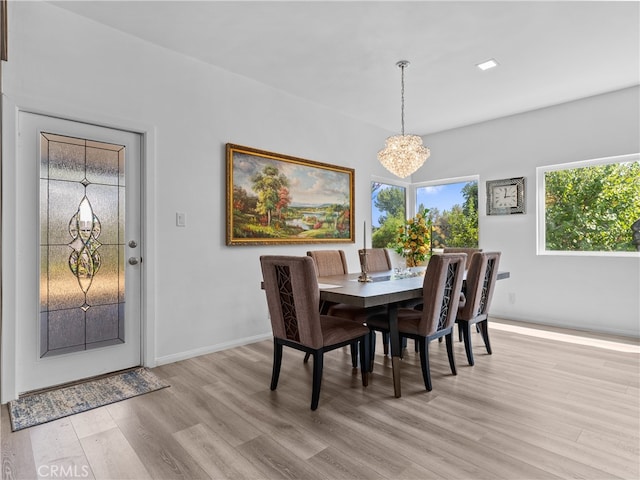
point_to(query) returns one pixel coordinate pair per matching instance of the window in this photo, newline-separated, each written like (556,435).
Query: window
(453,210)
(589,207)
(388,213)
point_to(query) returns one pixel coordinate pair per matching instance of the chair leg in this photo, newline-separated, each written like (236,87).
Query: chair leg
(354,355)
(459,332)
(318,359)
(306,357)
(365,357)
(386,342)
(372,349)
(277,362)
(424,362)
(452,360)
(484,330)
(466,333)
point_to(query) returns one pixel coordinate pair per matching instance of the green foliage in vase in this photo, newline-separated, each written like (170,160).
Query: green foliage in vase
(413,240)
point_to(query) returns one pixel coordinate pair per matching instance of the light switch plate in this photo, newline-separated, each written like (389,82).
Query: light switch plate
(181,219)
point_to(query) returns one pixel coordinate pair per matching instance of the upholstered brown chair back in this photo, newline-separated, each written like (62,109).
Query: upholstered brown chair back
(292,297)
(481,280)
(468,251)
(378,259)
(329,262)
(441,292)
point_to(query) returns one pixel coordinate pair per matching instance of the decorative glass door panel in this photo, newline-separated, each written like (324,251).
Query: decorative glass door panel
(82,226)
(75,303)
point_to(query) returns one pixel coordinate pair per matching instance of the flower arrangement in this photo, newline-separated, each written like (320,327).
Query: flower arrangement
(413,240)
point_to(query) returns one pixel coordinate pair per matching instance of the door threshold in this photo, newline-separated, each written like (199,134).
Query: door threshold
(76,382)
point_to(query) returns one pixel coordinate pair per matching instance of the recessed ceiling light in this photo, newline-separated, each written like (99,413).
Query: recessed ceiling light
(491,63)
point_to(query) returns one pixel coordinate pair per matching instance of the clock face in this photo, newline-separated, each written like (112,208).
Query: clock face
(505,196)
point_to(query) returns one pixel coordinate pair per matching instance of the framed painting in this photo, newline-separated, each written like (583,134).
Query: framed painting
(278,199)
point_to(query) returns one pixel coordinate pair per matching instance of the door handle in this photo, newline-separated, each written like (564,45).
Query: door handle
(133,261)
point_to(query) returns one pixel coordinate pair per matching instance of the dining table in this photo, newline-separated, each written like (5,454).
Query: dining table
(390,288)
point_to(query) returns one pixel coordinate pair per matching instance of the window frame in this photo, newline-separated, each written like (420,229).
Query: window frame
(444,181)
(394,183)
(541,227)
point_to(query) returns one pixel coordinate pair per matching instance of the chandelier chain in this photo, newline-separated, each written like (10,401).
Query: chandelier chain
(403,154)
(402,97)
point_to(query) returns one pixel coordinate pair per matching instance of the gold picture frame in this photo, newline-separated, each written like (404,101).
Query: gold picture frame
(4,35)
(280,199)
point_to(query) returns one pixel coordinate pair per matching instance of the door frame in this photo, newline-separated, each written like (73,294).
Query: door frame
(12,105)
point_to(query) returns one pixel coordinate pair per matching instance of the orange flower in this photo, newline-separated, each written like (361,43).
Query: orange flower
(413,236)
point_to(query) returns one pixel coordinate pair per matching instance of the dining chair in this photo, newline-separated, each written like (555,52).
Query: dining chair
(468,250)
(329,262)
(441,294)
(378,259)
(481,280)
(293,295)
(334,262)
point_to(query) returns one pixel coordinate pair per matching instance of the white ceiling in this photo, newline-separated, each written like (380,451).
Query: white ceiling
(342,54)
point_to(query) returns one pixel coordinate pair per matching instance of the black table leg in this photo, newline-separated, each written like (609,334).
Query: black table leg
(395,347)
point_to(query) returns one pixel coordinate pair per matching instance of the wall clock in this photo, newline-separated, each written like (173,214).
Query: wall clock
(505,197)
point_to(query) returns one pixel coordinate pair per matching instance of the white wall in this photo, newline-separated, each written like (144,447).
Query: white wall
(592,293)
(205,295)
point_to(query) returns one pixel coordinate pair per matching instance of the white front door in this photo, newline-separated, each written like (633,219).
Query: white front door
(78,274)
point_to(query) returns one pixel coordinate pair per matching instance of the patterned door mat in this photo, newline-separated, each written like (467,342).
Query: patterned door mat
(47,406)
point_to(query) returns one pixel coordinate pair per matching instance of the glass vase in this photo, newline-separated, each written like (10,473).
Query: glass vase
(410,261)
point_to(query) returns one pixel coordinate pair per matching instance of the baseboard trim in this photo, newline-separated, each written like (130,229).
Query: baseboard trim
(615,334)
(176,357)
(579,337)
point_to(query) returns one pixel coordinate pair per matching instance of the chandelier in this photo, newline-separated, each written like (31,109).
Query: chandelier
(403,154)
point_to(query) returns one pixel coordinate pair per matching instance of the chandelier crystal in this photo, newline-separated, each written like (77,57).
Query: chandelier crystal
(403,154)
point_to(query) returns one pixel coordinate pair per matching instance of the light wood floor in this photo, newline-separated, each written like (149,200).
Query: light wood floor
(537,408)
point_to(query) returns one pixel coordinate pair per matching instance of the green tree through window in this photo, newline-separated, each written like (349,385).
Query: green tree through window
(388,213)
(592,208)
(453,210)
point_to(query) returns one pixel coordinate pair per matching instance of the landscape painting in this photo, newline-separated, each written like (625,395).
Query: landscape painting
(278,199)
